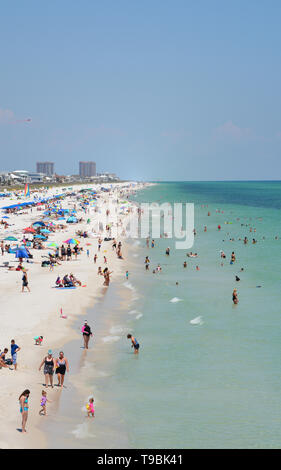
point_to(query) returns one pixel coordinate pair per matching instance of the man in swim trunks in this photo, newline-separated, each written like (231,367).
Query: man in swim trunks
(14,349)
(135,343)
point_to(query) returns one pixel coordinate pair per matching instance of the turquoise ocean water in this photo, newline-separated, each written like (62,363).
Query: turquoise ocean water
(217,383)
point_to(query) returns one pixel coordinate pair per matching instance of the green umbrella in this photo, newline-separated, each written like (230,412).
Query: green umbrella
(12,239)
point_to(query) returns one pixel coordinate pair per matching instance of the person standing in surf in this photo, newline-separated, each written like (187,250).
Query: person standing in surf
(86,331)
(135,343)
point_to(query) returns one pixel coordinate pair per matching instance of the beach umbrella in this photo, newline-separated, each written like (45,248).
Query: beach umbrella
(45,230)
(29,230)
(72,241)
(12,239)
(61,218)
(5,217)
(39,223)
(53,244)
(40,236)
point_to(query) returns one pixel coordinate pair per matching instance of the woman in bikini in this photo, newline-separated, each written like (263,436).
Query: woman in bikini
(23,399)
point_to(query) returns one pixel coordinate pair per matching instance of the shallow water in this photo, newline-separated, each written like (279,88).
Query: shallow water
(215,382)
(208,372)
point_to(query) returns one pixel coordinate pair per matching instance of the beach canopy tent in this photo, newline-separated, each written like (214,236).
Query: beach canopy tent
(39,223)
(22,253)
(71,220)
(21,205)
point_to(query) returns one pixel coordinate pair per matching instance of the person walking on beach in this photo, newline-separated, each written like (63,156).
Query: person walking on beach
(49,367)
(61,367)
(135,343)
(106,275)
(23,399)
(43,403)
(68,253)
(24,281)
(86,331)
(14,349)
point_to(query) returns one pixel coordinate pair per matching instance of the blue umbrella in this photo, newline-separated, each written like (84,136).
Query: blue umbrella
(40,236)
(45,230)
(39,223)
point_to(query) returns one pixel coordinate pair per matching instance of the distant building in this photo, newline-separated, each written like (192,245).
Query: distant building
(87,169)
(45,167)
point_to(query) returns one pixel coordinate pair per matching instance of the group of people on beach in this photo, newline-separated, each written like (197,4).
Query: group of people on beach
(51,364)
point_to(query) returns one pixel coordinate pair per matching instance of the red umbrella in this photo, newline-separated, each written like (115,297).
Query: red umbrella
(29,230)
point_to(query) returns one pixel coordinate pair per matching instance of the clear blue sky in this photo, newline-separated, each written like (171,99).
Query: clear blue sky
(171,89)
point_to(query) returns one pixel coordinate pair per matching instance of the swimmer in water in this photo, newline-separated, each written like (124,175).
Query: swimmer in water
(146,262)
(237,278)
(235,297)
(185,264)
(168,251)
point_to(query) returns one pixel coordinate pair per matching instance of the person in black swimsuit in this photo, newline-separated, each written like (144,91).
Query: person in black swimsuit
(49,366)
(61,367)
(86,330)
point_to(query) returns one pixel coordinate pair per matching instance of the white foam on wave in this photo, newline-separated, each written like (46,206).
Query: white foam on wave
(139,316)
(117,329)
(135,255)
(197,321)
(175,299)
(129,285)
(82,431)
(110,339)
(132,312)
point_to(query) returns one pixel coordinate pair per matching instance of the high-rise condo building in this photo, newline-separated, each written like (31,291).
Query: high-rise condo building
(45,167)
(87,169)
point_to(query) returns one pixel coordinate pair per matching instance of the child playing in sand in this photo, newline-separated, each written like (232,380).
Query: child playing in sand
(90,408)
(44,403)
(38,340)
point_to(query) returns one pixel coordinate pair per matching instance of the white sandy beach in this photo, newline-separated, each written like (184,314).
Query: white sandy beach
(25,315)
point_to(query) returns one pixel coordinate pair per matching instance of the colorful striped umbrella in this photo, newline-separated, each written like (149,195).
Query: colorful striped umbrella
(72,241)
